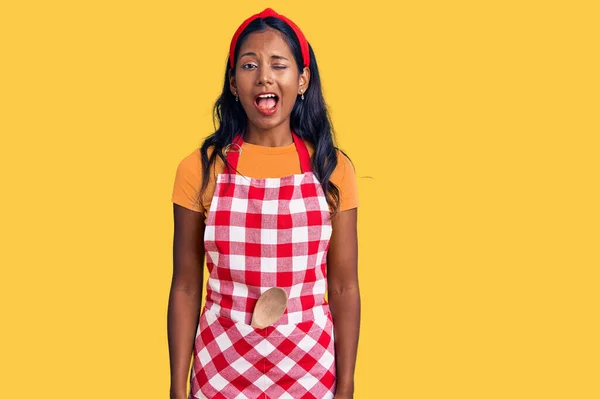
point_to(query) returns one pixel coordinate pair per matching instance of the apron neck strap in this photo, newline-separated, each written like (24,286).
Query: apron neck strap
(235,149)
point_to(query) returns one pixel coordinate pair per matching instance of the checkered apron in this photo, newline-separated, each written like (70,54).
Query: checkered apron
(263,233)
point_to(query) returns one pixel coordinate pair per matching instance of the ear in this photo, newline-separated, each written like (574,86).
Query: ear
(304,79)
(232,83)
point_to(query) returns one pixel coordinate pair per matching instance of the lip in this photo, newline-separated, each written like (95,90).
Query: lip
(271,111)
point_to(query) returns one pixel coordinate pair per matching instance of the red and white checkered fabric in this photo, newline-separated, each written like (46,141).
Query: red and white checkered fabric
(263,233)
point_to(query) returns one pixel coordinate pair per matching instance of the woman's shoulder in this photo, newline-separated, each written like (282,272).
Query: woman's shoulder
(192,161)
(344,164)
(344,177)
(344,169)
(188,182)
(190,168)
(191,158)
(190,165)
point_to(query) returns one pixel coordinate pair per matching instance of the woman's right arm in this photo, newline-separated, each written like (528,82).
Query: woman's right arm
(185,296)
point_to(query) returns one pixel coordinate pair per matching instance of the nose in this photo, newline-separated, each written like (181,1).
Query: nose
(264,77)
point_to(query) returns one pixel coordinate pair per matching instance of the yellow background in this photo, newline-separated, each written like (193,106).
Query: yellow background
(474,130)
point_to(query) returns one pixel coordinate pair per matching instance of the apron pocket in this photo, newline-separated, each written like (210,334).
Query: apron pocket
(228,357)
(303,359)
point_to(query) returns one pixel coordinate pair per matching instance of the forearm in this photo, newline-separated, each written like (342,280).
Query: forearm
(345,311)
(182,322)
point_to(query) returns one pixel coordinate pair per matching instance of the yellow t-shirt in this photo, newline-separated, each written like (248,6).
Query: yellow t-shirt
(259,162)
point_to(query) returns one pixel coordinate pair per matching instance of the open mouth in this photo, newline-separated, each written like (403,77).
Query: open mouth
(266,103)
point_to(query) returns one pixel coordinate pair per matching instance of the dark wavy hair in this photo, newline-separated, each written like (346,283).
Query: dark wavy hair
(309,119)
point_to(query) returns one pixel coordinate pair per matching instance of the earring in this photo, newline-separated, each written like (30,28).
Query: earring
(236,97)
(302,92)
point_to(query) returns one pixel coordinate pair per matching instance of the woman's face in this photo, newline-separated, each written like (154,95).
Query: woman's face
(266,65)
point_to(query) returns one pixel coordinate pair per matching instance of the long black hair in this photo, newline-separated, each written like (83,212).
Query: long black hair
(309,119)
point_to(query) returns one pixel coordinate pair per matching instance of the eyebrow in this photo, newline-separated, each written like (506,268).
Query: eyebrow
(273,56)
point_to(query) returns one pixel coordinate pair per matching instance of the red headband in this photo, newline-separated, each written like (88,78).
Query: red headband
(268,12)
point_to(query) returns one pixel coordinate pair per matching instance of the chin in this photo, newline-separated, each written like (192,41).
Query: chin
(266,122)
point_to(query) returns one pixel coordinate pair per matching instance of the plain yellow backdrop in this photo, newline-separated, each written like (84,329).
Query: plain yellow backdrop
(474,130)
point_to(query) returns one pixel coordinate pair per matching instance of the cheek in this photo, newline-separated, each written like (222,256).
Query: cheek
(244,80)
(244,88)
(290,90)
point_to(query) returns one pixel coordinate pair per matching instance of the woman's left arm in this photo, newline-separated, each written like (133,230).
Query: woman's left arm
(344,298)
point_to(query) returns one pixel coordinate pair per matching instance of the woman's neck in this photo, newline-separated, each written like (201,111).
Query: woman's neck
(278,136)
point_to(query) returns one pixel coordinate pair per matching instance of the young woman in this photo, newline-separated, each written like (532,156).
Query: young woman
(270,201)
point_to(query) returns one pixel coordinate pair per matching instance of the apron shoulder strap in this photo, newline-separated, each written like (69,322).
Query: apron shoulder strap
(302,153)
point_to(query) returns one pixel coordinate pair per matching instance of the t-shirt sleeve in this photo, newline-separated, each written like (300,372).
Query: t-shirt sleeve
(344,177)
(188,181)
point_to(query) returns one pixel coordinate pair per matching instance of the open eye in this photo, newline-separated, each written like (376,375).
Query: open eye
(247,65)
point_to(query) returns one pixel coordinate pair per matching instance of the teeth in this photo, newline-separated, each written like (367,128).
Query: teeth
(267,95)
